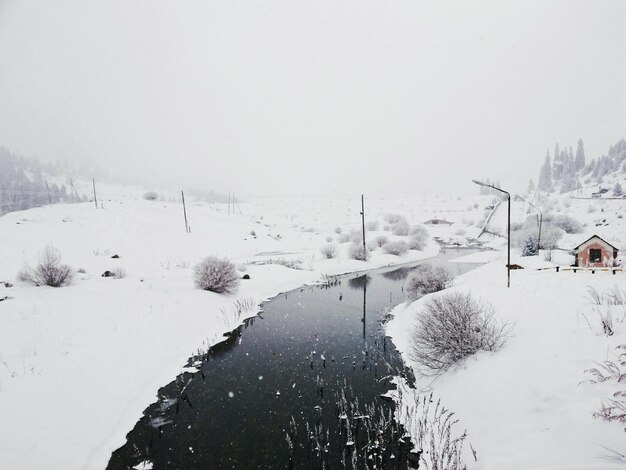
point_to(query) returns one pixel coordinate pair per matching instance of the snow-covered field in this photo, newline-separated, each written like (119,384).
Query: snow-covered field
(79,364)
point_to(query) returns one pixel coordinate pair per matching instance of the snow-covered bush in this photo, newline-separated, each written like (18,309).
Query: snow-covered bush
(451,327)
(550,234)
(397,248)
(417,242)
(329,239)
(49,271)
(401,228)
(381,240)
(329,251)
(530,247)
(338,230)
(216,275)
(392,218)
(357,252)
(426,279)
(419,235)
(372,226)
(150,196)
(418,230)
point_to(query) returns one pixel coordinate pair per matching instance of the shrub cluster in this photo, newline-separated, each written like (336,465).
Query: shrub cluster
(357,252)
(381,240)
(453,326)
(150,196)
(426,279)
(216,275)
(329,250)
(49,271)
(397,248)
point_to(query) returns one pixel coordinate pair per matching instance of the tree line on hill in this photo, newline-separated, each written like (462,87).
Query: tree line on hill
(24,184)
(564,170)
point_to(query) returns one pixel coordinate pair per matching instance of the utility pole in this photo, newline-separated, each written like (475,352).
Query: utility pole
(184,211)
(363,222)
(95,199)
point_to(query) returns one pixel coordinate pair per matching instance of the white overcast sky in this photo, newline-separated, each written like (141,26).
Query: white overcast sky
(312,97)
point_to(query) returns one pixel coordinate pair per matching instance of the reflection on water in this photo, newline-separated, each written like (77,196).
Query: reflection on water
(270,395)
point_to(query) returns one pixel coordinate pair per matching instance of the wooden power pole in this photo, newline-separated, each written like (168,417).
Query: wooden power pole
(363,222)
(95,199)
(185,211)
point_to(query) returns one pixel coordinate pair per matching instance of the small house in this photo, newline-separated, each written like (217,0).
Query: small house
(595,253)
(437,222)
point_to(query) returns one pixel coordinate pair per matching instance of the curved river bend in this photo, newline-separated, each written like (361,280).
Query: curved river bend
(299,386)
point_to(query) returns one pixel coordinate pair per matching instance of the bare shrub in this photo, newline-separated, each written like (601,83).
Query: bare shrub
(372,226)
(329,251)
(119,272)
(381,240)
(49,271)
(426,279)
(357,252)
(216,275)
(337,230)
(432,428)
(150,196)
(614,408)
(453,326)
(547,255)
(397,248)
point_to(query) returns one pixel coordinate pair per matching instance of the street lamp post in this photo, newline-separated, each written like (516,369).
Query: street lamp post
(508,237)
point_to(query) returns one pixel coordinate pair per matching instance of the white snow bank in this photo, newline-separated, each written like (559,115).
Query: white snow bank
(525,406)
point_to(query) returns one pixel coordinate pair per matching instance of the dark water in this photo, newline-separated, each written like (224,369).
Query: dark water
(275,394)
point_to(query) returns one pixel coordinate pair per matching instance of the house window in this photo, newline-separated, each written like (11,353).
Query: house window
(595,255)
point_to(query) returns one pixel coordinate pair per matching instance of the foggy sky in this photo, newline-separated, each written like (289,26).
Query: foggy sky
(312,97)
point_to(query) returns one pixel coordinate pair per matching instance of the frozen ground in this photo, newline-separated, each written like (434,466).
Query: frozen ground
(79,364)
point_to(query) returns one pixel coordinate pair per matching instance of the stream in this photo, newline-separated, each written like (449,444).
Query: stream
(301,385)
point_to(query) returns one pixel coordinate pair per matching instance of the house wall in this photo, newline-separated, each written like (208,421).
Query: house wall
(607,254)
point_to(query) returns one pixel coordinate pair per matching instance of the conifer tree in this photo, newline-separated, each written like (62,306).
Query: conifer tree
(545,175)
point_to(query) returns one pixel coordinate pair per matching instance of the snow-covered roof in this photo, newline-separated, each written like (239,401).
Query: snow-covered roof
(592,237)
